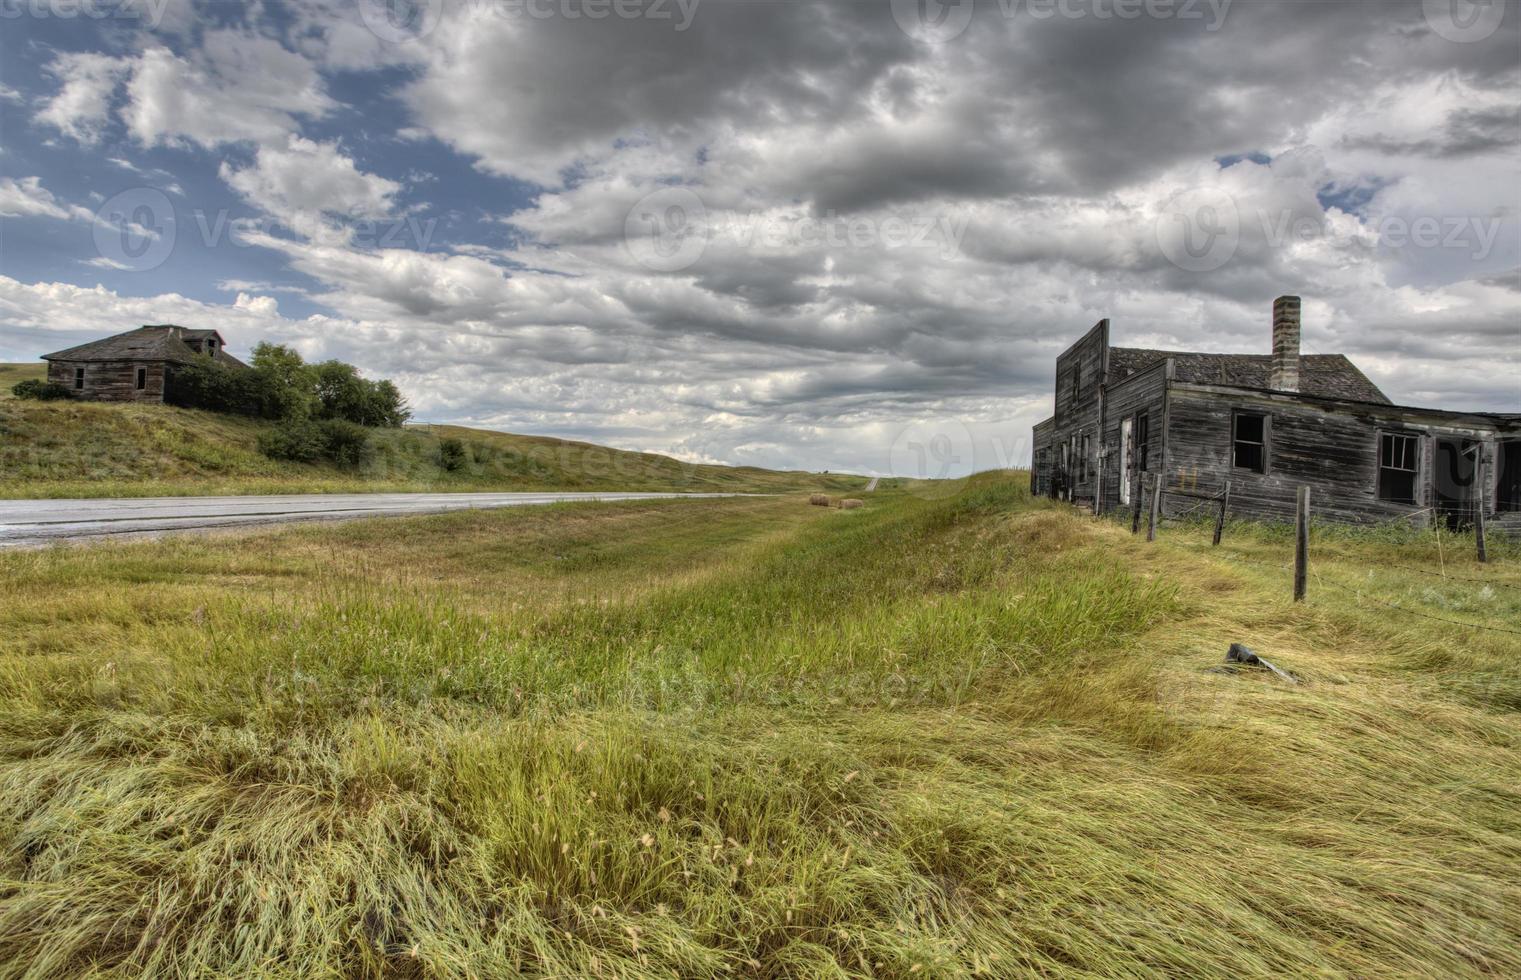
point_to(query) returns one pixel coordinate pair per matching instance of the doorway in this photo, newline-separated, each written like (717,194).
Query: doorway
(1453,481)
(1127,453)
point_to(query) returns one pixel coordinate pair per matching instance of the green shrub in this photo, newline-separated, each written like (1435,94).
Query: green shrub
(299,442)
(40,390)
(305,441)
(216,387)
(346,443)
(451,454)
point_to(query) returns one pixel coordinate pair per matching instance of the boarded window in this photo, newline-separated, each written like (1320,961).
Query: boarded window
(1508,492)
(1249,441)
(1398,462)
(1077,381)
(142,378)
(1083,460)
(78,378)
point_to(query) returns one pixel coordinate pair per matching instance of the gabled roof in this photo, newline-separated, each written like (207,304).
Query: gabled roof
(157,342)
(1325,375)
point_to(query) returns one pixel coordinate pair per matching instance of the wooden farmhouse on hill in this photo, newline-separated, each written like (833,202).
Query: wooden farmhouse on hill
(1266,424)
(134,366)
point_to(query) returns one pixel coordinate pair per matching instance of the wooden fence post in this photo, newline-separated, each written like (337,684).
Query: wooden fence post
(1098,485)
(1225,500)
(1156,505)
(1478,508)
(1301,543)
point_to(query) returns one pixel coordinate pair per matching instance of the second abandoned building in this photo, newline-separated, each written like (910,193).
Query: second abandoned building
(1268,424)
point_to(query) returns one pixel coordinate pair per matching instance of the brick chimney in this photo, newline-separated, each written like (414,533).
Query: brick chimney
(1284,375)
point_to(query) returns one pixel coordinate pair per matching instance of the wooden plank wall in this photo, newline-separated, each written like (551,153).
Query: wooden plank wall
(1331,449)
(111,381)
(1144,391)
(1078,412)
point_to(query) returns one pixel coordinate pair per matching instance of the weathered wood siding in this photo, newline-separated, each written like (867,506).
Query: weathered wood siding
(1332,447)
(1041,458)
(1142,393)
(1078,411)
(111,381)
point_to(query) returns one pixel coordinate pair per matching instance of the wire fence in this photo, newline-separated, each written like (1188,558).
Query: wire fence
(1219,502)
(1287,567)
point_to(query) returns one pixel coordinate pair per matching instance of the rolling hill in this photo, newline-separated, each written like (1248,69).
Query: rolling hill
(93,449)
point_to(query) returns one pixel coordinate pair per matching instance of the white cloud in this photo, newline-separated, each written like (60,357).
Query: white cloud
(82,104)
(27,197)
(235,87)
(303,180)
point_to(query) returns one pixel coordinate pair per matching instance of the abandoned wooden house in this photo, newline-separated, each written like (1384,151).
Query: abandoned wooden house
(1267,424)
(134,366)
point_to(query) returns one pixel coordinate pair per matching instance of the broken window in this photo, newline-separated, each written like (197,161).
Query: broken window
(1398,462)
(1249,438)
(1508,489)
(1142,440)
(142,378)
(78,378)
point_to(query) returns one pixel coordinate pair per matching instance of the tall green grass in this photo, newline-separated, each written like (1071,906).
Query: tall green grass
(747,737)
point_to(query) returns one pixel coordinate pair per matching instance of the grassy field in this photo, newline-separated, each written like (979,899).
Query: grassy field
(82,449)
(972,735)
(12,373)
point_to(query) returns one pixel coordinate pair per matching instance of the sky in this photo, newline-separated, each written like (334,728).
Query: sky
(848,236)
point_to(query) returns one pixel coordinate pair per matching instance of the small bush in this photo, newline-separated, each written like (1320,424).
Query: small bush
(299,442)
(346,443)
(451,454)
(43,391)
(303,441)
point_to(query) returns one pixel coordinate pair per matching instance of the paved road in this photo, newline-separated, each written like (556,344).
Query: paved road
(35,522)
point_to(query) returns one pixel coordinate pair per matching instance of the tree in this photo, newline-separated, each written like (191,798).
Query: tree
(343,394)
(286,384)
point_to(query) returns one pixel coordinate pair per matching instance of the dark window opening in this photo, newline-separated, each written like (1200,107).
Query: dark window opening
(1398,461)
(1508,490)
(211,346)
(1077,381)
(1142,440)
(78,378)
(1249,439)
(142,378)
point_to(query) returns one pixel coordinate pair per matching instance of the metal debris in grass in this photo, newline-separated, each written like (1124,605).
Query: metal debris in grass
(1241,655)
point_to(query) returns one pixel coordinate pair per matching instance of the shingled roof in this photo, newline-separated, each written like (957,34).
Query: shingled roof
(1325,375)
(158,342)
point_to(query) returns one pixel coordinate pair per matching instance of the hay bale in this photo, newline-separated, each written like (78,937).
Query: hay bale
(819,500)
(850,503)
